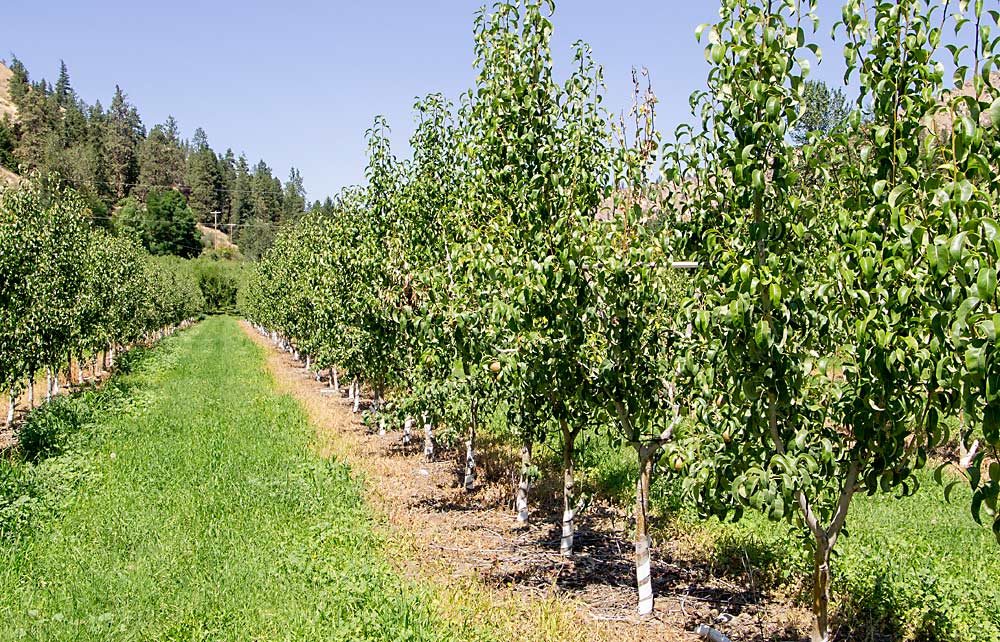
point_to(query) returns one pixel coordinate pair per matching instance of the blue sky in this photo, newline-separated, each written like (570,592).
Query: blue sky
(297,83)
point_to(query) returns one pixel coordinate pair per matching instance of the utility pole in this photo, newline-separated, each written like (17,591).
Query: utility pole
(215,237)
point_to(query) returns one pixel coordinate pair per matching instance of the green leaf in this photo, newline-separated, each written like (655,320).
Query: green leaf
(950,487)
(991,424)
(994,112)
(898,194)
(986,284)
(762,334)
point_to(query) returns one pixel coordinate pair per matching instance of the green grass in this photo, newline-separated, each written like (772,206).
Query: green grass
(184,502)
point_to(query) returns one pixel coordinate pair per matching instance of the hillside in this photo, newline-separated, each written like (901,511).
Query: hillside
(211,237)
(6,104)
(7,108)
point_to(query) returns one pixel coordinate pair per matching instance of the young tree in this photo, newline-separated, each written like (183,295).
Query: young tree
(539,170)
(815,366)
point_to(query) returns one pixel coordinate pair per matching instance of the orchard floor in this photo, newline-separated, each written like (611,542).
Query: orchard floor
(511,578)
(196,505)
(214,490)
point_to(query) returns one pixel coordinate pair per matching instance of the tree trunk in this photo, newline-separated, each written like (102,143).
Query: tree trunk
(470,450)
(569,510)
(642,542)
(31,390)
(11,407)
(308,362)
(48,383)
(821,591)
(335,379)
(428,438)
(408,431)
(523,484)
(357,395)
(79,374)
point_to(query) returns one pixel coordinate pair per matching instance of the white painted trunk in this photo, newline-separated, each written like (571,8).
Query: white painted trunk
(569,510)
(428,438)
(642,575)
(336,380)
(357,396)
(31,390)
(408,430)
(523,485)
(470,465)
(79,376)
(470,448)
(350,391)
(48,383)
(308,362)
(12,406)
(566,541)
(645,456)
(381,425)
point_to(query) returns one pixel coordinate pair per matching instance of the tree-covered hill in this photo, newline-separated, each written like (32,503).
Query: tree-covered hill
(113,159)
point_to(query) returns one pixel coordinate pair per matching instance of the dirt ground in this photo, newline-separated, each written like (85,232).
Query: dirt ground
(509,578)
(67,384)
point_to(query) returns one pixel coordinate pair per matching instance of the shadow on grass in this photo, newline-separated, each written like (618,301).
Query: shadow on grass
(49,456)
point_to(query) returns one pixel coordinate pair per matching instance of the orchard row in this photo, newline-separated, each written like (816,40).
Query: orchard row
(71,290)
(781,324)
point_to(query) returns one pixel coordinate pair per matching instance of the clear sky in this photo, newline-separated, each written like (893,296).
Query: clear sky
(297,83)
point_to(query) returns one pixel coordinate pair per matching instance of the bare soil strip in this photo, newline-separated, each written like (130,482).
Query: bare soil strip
(483,566)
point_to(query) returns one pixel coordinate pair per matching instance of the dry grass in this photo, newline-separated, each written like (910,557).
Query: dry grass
(7,107)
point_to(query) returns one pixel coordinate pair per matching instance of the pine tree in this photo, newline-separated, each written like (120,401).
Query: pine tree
(227,181)
(240,207)
(19,83)
(294,198)
(203,179)
(161,159)
(266,194)
(825,109)
(123,133)
(64,93)
(38,117)
(170,224)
